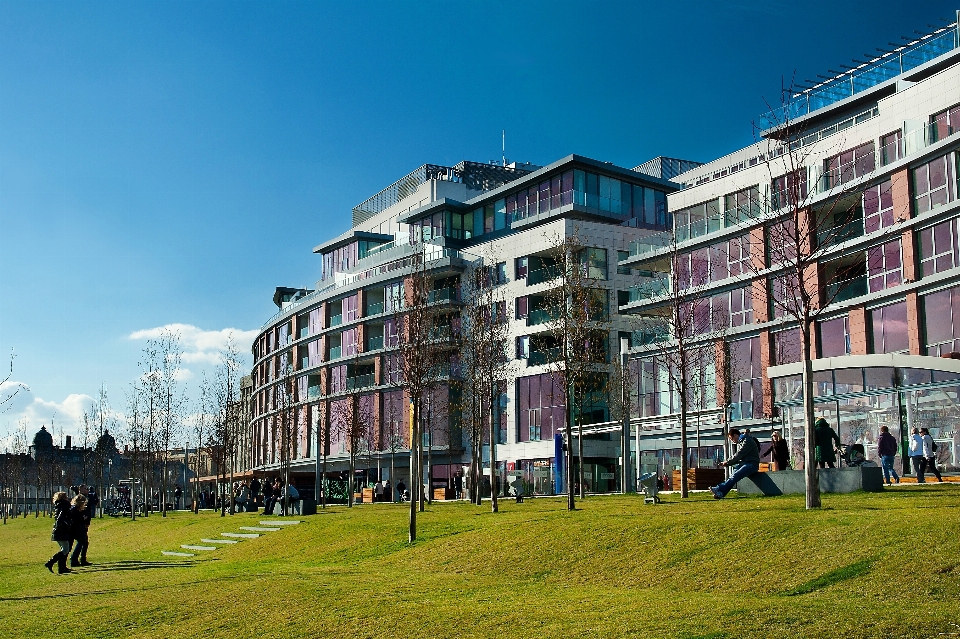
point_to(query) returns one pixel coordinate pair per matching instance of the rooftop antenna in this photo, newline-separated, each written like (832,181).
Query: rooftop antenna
(503,147)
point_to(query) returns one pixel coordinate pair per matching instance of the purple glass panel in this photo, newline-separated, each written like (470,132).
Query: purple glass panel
(938,305)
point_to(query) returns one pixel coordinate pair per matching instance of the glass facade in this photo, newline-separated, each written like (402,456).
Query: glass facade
(857,402)
(889,328)
(940,247)
(934,183)
(942,334)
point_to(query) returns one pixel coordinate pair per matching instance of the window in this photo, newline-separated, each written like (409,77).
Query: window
(884,266)
(746,379)
(741,306)
(523,347)
(890,147)
(523,307)
(941,311)
(889,324)
(521,267)
(738,256)
(945,123)
(789,190)
(393,297)
(940,247)
(593,261)
(786,346)
(623,270)
(541,410)
(878,207)
(834,337)
(697,220)
(849,165)
(933,184)
(742,205)
(783,298)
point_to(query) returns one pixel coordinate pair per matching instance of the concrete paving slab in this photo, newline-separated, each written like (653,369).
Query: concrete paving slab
(259,529)
(171,553)
(279,523)
(189,547)
(241,535)
(219,541)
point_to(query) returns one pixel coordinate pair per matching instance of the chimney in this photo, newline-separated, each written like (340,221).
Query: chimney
(69,445)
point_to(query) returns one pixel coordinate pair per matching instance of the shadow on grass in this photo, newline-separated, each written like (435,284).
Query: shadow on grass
(855,569)
(136,565)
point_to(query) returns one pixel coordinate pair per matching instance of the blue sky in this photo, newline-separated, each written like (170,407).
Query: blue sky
(171,163)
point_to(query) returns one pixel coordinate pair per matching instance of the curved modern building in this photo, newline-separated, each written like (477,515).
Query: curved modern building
(339,339)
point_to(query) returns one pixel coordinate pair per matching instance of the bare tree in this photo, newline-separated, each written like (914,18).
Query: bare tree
(226,412)
(418,360)
(579,327)
(811,208)
(6,396)
(353,417)
(483,361)
(687,324)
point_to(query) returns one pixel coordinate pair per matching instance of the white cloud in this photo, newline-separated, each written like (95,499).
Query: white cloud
(200,346)
(59,417)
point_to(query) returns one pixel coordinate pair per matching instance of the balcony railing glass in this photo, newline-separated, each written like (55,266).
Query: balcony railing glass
(443,295)
(543,356)
(335,352)
(544,274)
(360,381)
(375,343)
(846,290)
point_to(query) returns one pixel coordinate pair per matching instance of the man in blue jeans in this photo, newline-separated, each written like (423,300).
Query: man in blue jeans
(887,449)
(748,458)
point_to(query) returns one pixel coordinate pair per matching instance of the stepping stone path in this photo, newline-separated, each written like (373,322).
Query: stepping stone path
(253,533)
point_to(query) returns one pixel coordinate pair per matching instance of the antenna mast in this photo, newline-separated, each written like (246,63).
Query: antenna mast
(504,146)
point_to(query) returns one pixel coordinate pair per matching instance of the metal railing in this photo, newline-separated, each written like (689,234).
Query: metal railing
(846,289)
(443,295)
(360,381)
(867,75)
(544,274)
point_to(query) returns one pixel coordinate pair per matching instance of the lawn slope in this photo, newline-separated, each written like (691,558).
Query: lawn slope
(866,565)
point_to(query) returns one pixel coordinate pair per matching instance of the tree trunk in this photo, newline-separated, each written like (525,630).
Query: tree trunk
(412,532)
(684,451)
(568,414)
(494,505)
(580,469)
(810,471)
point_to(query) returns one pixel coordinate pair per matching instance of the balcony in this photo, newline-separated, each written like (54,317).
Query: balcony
(846,290)
(650,289)
(360,381)
(335,352)
(541,316)
(374,308)
(443,295)
(335,320)
(305,331)
(375,343)
(544,356)
(313,392)
(651,243)
(544,274)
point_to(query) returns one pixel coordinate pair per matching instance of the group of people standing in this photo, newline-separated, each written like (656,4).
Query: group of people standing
(71,524)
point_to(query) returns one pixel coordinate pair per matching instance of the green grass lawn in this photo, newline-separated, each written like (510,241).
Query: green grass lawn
(866,565)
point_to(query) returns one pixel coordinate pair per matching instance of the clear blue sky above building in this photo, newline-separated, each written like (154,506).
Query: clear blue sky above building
(171,163)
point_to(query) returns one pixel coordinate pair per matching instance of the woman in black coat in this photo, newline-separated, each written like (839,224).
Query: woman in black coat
(79,525)
(779,451)
(61,532)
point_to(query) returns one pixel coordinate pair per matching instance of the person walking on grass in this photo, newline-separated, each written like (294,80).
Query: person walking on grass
(887,449)
(61,532)
(747,459)
(916,455)
(79,526)
(929,454)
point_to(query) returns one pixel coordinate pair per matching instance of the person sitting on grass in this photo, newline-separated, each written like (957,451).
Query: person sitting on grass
(747,458)
(61,532)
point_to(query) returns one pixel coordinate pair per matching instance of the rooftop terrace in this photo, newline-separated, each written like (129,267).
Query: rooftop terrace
(866,75)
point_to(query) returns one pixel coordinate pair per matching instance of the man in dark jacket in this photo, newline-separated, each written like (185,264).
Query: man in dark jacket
(887,449)
(747,459)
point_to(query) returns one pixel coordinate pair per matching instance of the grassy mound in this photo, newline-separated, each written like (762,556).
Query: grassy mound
(866,565)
